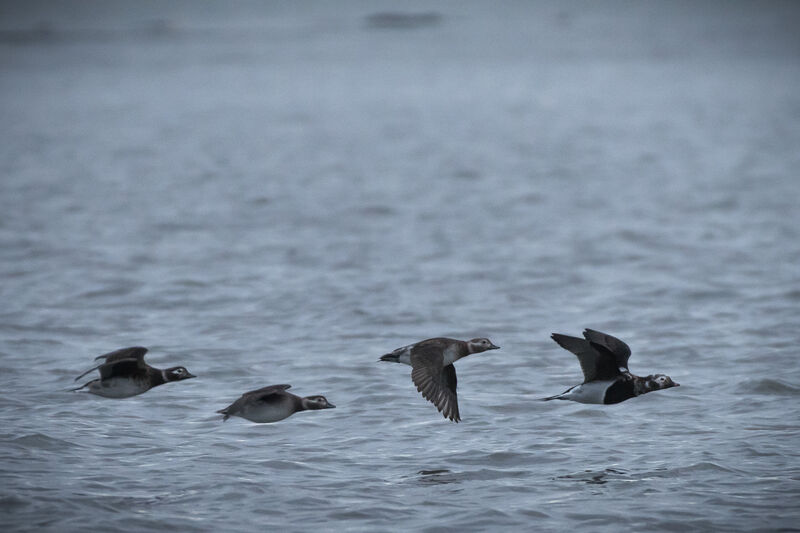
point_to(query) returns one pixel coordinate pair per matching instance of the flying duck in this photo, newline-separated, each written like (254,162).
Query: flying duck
(123,374)
(271,404)
(432,369)
(604,361)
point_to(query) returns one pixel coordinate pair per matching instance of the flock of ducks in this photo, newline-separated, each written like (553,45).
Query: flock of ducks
(603,359)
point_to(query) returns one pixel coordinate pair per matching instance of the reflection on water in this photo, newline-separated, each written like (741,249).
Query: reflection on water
(436,477)
(597,478)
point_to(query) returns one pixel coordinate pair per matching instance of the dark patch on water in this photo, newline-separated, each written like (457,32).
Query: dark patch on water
(403,21)
(596,478)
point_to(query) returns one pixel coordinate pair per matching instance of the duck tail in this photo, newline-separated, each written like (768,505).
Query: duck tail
(78,388)
(556,397)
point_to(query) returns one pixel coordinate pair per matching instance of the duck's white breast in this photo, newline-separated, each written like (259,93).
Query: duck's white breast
(117,388)
(592,392)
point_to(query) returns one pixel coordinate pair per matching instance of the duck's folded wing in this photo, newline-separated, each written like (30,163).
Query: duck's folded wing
(621,351)
(437,384)
(594,364)
(264,394)
(429,346)
(267,394)
(121,368)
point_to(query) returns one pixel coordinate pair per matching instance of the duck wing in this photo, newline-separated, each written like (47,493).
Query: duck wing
(122,368)
(436,383)
(619,349)
(266,394)
(134,353)
(595,364)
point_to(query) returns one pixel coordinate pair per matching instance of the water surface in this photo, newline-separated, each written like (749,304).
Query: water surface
(281,194)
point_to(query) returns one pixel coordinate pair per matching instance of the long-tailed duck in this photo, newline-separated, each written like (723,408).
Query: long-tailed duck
(432,369)
(123,373)
(271,404)
(604,361)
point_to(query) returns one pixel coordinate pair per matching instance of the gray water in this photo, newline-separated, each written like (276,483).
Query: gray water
(282,193)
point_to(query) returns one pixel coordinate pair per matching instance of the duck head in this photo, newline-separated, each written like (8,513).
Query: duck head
(317,402)
(177,373)
(480,345)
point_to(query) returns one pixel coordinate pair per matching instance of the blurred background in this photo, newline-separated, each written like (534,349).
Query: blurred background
(280,192)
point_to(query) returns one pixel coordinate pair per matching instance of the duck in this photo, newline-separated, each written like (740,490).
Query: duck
(124,373)
(271,404)
(432,370)
(604,362)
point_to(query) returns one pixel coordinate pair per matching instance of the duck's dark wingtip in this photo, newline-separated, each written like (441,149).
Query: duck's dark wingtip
(558,338)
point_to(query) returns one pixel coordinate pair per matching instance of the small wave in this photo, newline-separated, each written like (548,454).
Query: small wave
(593,477)
(377,210)
(121,289)
(278,464)
(43,442)
(703,466)
(770,386)
(9,502)
(443,476)
(793,294)
(591,413)
(403,21)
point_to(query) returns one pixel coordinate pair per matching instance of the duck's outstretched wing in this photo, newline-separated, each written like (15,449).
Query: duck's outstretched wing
(619,349)
(595,364)
(436,383)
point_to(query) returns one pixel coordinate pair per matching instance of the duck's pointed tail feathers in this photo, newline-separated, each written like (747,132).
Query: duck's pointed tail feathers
(556,397)
(90,370)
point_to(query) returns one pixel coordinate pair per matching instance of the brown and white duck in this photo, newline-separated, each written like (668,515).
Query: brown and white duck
(272,403)
(432,369)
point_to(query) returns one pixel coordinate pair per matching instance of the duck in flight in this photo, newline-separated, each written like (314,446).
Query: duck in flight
(432,369)
(124,373)
(271,404)
(604,361)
